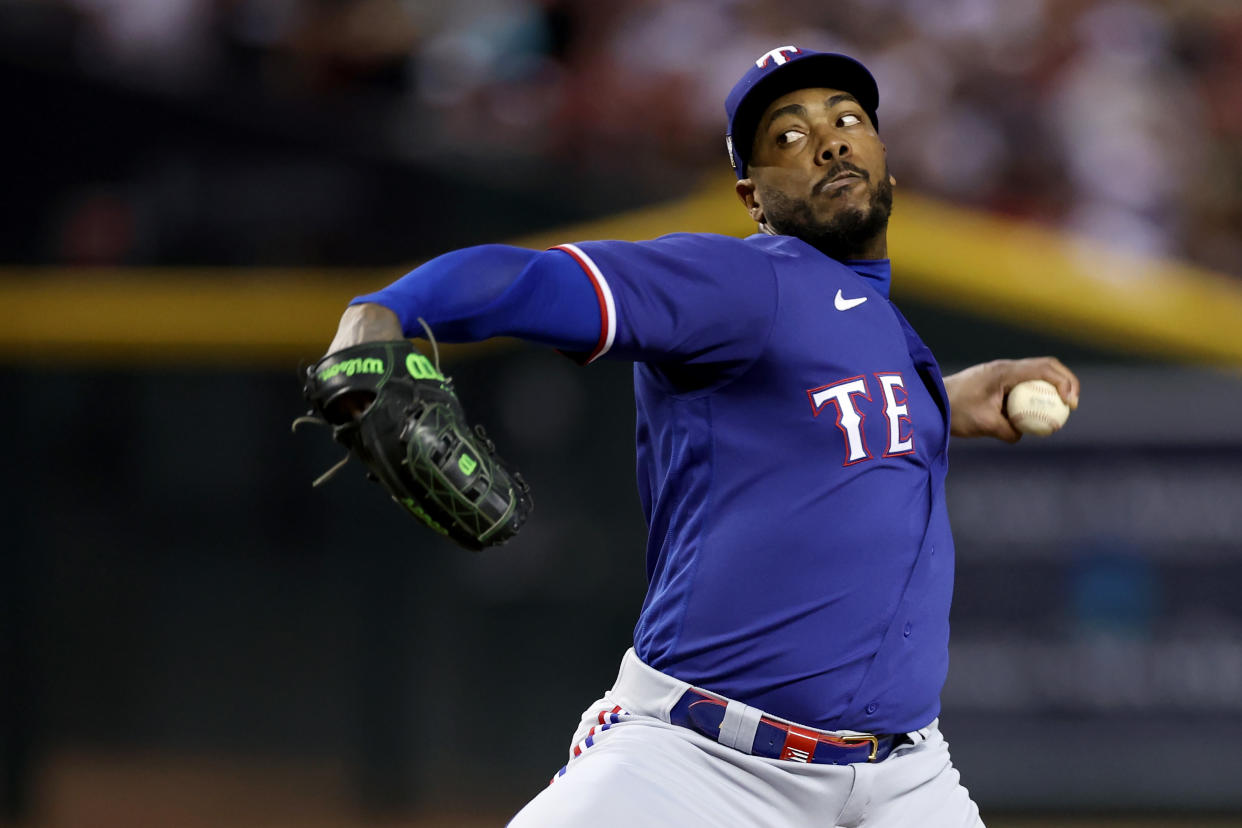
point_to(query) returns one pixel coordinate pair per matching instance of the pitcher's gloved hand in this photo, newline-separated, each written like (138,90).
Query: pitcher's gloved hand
(393,409)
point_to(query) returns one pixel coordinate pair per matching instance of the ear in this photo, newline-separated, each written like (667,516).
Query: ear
(746,193)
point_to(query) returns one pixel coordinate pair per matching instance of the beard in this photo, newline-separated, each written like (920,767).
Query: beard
(848,232)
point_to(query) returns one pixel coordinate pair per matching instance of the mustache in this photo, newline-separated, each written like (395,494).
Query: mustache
(840,167)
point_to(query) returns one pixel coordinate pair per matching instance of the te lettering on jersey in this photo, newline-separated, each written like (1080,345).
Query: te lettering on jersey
(852,400)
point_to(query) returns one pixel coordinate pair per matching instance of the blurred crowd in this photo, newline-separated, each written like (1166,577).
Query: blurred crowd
(1118,119)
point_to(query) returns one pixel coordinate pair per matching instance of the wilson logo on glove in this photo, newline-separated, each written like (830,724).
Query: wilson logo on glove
(350,367)
(411,433)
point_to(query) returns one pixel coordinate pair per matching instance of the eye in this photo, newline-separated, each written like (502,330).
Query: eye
(849,119)
(788,137)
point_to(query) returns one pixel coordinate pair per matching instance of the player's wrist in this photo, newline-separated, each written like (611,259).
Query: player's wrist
(366,322)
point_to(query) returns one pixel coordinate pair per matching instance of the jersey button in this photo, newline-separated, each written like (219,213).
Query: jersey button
(871,708)
(906,631)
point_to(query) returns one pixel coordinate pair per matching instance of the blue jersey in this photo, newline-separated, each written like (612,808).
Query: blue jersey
(792,435)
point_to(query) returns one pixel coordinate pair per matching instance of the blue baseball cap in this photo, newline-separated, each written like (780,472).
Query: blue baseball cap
(780,72)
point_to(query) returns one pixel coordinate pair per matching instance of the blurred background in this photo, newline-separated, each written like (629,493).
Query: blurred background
(191,636)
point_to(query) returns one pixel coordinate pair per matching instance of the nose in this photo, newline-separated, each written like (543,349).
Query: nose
(832,148)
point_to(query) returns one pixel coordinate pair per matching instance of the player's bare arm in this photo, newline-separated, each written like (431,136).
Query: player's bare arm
(360,324)
(977,394)
(367,322)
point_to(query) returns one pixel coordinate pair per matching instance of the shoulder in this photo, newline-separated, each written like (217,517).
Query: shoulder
(696,255)
(760,244)
(704,243)
(789,249)
(730,253)
(702,240)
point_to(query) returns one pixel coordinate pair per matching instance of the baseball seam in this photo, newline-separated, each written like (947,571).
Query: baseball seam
(1035,415)
(1024,417)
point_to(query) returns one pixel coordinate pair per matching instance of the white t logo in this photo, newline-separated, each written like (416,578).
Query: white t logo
(777,55)
(849,419)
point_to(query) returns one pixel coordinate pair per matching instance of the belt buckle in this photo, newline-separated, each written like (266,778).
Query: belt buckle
(865,737)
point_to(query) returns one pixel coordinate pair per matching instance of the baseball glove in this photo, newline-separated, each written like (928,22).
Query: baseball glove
(415,442)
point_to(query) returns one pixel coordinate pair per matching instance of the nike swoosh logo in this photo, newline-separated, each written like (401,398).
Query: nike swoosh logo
(842,303)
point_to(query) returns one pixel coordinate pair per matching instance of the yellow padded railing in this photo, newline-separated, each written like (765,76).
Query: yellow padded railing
(1015,273)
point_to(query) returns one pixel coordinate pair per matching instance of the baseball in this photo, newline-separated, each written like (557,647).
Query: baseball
(1036,408)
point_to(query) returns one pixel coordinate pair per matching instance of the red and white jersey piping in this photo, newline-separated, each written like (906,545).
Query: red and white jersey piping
(607,308)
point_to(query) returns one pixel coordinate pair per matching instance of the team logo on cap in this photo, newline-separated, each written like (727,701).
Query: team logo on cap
(777,56)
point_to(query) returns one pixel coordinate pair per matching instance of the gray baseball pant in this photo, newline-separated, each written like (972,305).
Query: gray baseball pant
(629,766)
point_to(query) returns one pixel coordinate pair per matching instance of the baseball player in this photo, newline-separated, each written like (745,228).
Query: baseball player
(792,439)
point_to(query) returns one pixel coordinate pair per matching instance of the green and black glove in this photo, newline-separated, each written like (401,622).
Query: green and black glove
(393,409)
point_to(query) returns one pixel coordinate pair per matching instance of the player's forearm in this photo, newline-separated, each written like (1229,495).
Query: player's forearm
(953,387)
(366,322)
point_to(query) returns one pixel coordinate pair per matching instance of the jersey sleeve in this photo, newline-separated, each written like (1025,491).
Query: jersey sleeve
(497,290)
(691,298)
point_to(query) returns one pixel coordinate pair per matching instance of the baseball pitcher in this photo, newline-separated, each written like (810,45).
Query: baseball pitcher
(792,441)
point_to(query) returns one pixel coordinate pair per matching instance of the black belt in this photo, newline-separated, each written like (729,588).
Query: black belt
(704,714)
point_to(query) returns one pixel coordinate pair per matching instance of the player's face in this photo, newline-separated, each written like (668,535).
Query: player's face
(818,171)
